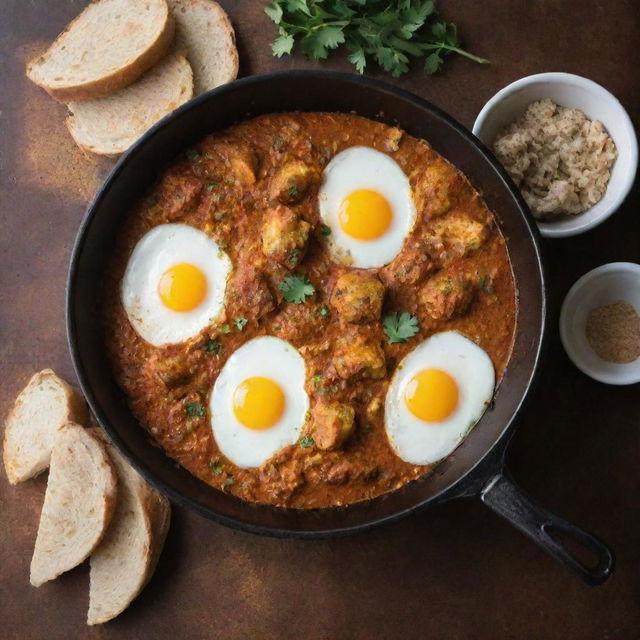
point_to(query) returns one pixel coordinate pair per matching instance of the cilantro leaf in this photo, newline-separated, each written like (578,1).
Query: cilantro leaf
(283,44)
(212,346)
(306,441)
(399,327)
(195,410)
(389,32)
(240,323)
(216,466)
(296,289)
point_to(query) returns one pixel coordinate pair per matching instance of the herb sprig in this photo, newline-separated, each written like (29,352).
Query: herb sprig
(389,32)
(399,327)
(296,289)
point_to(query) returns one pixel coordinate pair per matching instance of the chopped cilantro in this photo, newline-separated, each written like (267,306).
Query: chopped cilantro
(216,466)
(317,379)
(296,289)
(212,346)
(399,327)
(192,154)
(486,283)
(294,256)
(277,142)
(306,441)
(225,328)
(228,481)
(324,311)
(294,191)
(240,323)
(211,186)
(325,230)
(195,409)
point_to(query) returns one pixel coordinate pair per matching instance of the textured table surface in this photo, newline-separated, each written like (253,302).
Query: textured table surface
(454,571)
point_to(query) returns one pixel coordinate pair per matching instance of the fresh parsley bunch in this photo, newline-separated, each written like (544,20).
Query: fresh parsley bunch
(387,31)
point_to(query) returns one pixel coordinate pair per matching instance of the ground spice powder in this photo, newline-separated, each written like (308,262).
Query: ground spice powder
(613,332)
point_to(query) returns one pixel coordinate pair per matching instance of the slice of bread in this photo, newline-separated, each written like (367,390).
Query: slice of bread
(127,556)
(107,47)
(205,34)
(109,126)
(78,504)
(43,407)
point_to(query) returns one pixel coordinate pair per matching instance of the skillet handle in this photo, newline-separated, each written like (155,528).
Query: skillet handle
(504,497)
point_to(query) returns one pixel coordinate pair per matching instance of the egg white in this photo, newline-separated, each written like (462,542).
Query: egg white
(358,168)
(419,442)
(268,357)
(158,250)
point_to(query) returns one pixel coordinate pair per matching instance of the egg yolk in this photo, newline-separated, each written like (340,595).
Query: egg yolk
(182,287)
(431,395)
(365,214)
(258,403)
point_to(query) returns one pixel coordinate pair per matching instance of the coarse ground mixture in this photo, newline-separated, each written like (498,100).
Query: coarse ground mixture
(613,332)
(559,159)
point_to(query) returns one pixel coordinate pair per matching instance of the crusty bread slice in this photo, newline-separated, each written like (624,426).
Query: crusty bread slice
(41,408)
(107,47)
(78,504)
(205,33)
(127,556)
(109,126)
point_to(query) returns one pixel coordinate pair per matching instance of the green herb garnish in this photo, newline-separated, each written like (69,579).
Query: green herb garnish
(293,191)
(195,409)
(317,379)
(399,327)
(212,346)
(390,32)
(216,466)
(486,283)
(294,256)
(225,328)
(211,186)
(325,230)
(191,154)
(324,312)
(296,289)
(240,323)
(306,441)
(228,481)
(277,142)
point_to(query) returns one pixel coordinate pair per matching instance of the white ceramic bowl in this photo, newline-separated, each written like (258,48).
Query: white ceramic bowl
(597,103)
(606,284)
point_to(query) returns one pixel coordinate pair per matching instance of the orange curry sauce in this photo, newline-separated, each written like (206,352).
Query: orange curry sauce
(452,273)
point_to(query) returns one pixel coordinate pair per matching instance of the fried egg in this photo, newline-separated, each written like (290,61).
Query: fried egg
(366,201)
(174,283)
(258,404)
(437,395)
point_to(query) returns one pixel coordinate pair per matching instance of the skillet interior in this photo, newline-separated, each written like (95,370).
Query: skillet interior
(306,91)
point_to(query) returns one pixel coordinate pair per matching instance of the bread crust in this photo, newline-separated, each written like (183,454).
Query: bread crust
(19,470)
(108,84)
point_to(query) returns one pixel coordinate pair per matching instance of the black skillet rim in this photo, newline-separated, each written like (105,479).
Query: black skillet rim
(470,482)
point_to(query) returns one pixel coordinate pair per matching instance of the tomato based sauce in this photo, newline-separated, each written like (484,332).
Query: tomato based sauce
(452,273)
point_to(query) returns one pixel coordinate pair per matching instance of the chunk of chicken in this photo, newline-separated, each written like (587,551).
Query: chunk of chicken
(250,292)
(455,235)
(333,423)
(357,356)
(292,181)
(412,266)
(357,296)
(179,193)
(433,189)
(448,296)
(284,236)
(239,158)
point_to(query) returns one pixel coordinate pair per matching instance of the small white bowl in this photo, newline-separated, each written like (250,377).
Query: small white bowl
(596,103)
(605,285)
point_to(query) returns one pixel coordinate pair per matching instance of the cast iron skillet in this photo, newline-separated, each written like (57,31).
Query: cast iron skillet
(476,467)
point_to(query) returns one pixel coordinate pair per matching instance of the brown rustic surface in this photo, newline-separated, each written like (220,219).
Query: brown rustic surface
(455,571)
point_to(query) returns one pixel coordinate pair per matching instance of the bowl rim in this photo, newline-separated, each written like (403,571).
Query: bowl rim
(548,229)
(570,300)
